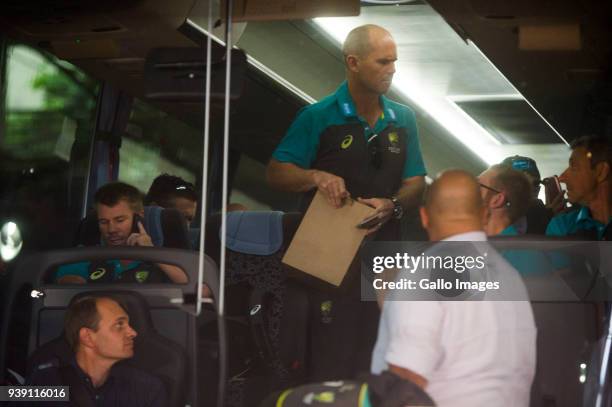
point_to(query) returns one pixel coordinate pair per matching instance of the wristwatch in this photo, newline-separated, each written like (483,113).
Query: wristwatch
(398,209)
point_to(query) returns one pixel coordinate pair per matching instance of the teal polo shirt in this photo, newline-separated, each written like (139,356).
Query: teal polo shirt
(575,221)
(509,231)
(82,269)
(526,262)
(300,145)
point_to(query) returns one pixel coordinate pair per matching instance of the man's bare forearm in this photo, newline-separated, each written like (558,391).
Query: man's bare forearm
(409,375)
(289,177)
(410,193)
(174,273)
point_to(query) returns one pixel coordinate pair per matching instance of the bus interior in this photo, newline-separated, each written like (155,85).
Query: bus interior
(82,103)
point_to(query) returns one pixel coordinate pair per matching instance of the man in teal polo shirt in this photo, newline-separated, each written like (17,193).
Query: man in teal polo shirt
(356,143)
(587,179)
(506,193)
(118,207)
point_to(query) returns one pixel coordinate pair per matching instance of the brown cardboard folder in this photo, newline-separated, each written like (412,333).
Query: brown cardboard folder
(327,239)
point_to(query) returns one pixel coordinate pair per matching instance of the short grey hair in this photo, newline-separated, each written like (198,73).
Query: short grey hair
(357,41)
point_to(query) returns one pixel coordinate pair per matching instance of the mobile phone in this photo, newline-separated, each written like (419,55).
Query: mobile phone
(552,188)
(135,219)
(369,222)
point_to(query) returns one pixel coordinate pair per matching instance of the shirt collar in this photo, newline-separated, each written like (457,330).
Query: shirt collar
(347,106)
(87,379)
(81,372)
(475,236)
(584,215)
(509,231)
(584,218)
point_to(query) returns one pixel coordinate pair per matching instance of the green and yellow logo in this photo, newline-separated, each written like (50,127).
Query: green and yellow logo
(346,142)
(141,276)
(326,308)
(99,273)
(393,138)
(325,397)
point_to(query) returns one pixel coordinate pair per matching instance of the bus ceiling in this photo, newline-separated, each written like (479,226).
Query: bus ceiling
(553,59)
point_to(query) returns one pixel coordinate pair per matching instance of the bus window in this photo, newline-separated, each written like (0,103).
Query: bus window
(46,123)
(154,143)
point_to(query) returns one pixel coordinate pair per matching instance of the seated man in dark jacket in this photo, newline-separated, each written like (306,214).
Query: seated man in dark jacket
(98,331)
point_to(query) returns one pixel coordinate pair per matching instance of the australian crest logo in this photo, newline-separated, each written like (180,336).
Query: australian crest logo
(142,276)
(394,145)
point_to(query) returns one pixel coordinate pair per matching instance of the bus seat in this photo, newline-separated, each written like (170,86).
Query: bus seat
(255,276)
(154,353)
(567,333)
(166,227)
(254,232)
(568,327)
(267,219)
(170,306)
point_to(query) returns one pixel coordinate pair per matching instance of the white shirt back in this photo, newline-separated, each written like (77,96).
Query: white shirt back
(472,353)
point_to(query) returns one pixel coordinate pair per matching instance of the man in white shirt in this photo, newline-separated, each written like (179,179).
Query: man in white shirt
(469,353)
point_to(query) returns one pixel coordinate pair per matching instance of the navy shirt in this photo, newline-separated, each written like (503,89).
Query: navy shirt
(125,386)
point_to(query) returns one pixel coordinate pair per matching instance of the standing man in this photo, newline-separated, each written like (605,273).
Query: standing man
(462,353)
(356,143)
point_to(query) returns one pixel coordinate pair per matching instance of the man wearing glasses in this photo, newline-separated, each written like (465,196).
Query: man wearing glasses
(356,143)
(506,194)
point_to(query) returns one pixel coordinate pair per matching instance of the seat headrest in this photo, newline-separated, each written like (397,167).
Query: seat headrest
(246,226)
(58,351)
(254,232)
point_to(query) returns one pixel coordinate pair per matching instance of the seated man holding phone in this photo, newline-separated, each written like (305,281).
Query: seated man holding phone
(119,209)
(588,188)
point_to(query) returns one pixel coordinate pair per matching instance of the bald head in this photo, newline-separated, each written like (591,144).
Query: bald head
(452,205)
(359,41)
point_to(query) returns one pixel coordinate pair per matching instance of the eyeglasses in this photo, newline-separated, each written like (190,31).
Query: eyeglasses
(489,188)
(494,190)
(374,151)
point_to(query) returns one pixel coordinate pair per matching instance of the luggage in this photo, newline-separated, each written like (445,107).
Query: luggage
(384,390)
